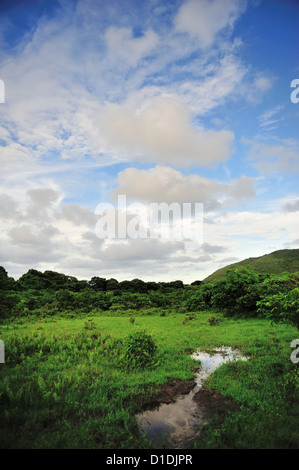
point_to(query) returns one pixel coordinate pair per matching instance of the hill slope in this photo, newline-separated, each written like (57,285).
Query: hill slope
(276,263)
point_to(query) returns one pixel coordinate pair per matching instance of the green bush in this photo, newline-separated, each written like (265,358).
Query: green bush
(281,307)
(212,320)
(90,325)
(140,350)
(188,317)
(238,293)
(195,303)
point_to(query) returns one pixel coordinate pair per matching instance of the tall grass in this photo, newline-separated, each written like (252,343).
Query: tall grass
(65,383)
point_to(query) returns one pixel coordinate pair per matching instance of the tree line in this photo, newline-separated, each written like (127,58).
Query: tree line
(241,293)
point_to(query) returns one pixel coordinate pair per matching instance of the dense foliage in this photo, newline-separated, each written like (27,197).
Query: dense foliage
(242,292)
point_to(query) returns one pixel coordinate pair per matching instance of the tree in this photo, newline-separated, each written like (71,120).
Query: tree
(65,298)
(112,284)
(8,296)
(176,284)
(138,286)
(6,282)
(281,307)
(238,292)
(33,279)
(98,283)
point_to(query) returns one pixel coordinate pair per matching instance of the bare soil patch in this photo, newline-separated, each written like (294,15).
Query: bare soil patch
(168,392)
(213,402)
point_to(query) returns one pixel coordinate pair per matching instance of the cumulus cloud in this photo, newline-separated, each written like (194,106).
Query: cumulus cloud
(8,207)
(77,214)
(43,196)
(54,107)
(168,185)
(208,248)
(148,249)
(291,206)
(92,82)
(204,19)
(42,202)
(65,239)
(34,231)
(163,133)
(30,235)
(292,244)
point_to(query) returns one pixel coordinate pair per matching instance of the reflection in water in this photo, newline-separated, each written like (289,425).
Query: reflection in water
(175,425)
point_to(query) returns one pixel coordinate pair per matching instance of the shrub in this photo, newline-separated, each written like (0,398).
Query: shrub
(195,303)
(140,350)
(238,293)
(281,307)
(90,325)
(212,320)
(188,317)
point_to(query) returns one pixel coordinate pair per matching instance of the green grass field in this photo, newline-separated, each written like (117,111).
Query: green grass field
(65,383)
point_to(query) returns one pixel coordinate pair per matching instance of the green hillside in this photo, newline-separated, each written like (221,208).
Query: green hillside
(276,263)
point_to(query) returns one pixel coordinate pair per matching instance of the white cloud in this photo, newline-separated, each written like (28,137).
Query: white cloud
(93,84)
(78,215)
(256,87)
(34,236)
(65,240)
(274,156)
(163,133)
(215,89)
(147,249)
(8,207)
(124,46)
(273,226)
(54,107)
(291,206)
(204,19)
(168,185)
(262,83)
(266,119)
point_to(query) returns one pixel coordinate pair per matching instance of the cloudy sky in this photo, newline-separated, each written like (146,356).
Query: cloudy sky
(179,101)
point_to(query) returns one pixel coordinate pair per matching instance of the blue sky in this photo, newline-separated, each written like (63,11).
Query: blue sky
(161,101)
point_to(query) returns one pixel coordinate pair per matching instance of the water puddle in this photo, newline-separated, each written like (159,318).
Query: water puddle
(176,425)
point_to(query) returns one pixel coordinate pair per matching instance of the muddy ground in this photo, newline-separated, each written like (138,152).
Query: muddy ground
(207,399)
(213,402)
(167,393)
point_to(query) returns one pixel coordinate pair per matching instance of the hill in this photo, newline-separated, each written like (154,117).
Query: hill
(275,263)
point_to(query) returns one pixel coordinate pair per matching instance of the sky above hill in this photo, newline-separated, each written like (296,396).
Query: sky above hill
(181,101)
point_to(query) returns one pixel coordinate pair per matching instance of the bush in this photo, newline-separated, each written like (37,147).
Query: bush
(281,307)
(140,350)
(195,303)
(90,325)
(212,320)
(238,293)
(188,317)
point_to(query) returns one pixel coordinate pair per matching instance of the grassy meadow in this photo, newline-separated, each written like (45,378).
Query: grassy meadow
(66,382)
